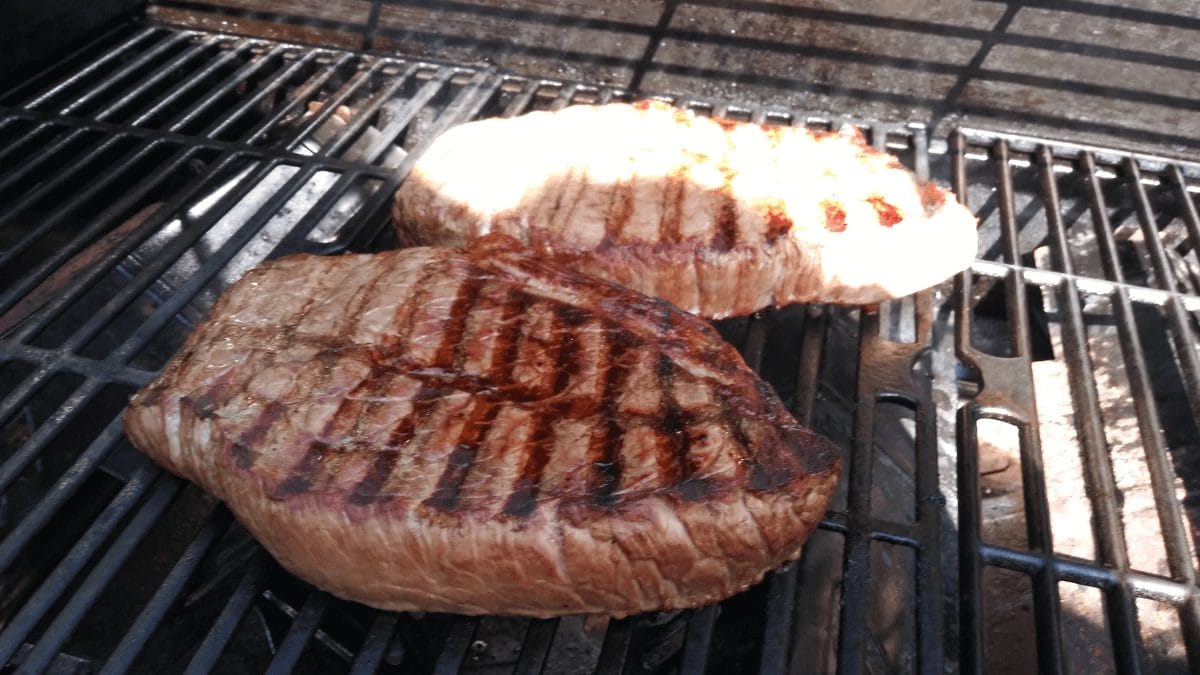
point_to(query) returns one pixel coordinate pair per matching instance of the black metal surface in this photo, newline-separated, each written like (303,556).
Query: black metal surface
(214,138)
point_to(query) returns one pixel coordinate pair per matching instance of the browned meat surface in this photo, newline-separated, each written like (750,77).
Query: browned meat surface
(720,218)
(484,431)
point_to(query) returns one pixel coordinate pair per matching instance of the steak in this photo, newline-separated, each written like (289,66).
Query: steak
(719,217)
(485,432)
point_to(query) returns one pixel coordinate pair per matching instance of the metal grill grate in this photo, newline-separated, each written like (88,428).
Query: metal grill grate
(152,167)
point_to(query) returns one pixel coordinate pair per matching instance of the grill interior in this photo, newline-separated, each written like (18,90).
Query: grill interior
(1022,466)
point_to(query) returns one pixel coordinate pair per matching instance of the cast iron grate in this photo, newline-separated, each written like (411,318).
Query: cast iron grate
(153,166)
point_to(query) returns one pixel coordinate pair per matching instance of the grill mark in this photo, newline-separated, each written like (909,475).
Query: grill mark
(619,212)
(726,230)
(778,222)
(242,451)
(301,478)
(605,447)
(888,214)
(446,494)
(428,395)
(449,486)
(674,443)
(368,489)
(523,498)
(835,216)
(584,181)
(933,198)
(672,204)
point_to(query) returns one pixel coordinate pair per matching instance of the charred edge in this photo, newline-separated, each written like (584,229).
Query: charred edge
(770,469)
(566,364)
(301,478)
(933,198)
(368,489)
(835,216)
(888,215)
(462,458)
(778,222)
(619,212)
(673,191)
(606,446)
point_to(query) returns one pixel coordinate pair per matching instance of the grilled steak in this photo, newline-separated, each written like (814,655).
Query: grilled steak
(484,431)
(721,218)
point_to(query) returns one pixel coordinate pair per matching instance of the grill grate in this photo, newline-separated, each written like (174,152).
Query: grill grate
(158,164)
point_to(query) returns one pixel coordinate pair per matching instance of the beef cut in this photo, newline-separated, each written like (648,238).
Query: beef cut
(719,217)
(485,431)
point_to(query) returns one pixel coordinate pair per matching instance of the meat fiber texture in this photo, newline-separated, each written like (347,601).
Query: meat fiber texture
(485,432)
(719,217)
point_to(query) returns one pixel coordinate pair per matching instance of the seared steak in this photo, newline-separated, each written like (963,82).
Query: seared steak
(484,431)
(719,217)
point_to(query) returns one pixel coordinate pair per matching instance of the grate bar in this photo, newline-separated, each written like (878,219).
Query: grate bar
(1047,606)
(298,97)
(54,361)
(373,648)
(303,627)
(122,658)
(536,647)
(1157,461)
(85,73)
(227,622)
(375,213)
(1099,481)
(777,637)
(165,489)
(106,262)
(1185,341)
(697,640)
(454,651)
(16,462)
(131,68)
(161,72)
(615,647)
(54,498)
(194,80)
(856,567)
(19,628)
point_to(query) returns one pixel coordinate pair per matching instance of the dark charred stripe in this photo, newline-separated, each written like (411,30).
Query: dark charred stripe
(606,442)
(726,226)
(300,480)
(368,489)
(243,457)
(835,216)
(619,212)
(243,451)
(508,344)
(778,222)
(888,215)
(567,320)
(559,193)
(933,198)
(462,457)
(674,442)
(451,347)
(513,318)
(673,190)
